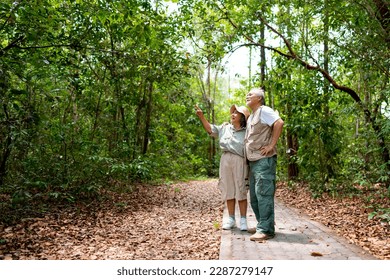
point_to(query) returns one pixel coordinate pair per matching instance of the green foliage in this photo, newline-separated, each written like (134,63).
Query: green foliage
(337,142)
(94,93)
(381,213)
(79,79)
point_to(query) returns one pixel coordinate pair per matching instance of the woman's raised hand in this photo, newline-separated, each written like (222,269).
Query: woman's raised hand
(199,111)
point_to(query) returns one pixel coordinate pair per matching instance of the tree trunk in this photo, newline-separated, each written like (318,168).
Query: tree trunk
(138,117)
(293,145)
(291,54)
(6,152)
(148,117)
(326,88)
(210,105)
(292,141)
(262,55)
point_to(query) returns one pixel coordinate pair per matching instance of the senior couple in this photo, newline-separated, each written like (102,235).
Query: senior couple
(249,137)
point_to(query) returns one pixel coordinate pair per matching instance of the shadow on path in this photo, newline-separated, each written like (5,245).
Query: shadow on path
(297,238)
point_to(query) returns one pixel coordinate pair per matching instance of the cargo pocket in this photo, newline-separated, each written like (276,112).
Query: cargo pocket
(267,187)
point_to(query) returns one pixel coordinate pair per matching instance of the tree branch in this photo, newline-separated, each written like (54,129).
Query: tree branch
(293,55)
(10,15)
(13,44)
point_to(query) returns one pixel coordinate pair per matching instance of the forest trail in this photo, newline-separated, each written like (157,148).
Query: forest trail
(297,238)
(182,221)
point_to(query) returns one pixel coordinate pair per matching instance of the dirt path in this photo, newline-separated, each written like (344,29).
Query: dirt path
(178,221)
(165,222)
(348,216)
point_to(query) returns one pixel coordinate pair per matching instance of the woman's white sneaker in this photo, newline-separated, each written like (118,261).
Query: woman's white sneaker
(231,223)
(243,224)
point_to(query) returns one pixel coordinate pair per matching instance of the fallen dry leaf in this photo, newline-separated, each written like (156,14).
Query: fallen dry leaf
(157,222)
(162,223)
(346,215)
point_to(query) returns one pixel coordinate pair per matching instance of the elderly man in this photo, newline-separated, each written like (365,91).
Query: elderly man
(264,127)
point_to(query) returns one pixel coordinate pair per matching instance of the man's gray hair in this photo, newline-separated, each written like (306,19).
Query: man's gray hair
(259,92)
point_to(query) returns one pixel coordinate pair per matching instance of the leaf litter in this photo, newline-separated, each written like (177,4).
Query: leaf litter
(347,215)
(172,222)
(149,223)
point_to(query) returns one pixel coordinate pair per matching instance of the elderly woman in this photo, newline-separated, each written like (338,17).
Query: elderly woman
(233,167)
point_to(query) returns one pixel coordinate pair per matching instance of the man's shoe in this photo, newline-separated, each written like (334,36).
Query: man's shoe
(260,237)
(251,230)
(231,223)
(243,224)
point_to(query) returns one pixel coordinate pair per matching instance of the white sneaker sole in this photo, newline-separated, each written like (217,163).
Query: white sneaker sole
(228,227)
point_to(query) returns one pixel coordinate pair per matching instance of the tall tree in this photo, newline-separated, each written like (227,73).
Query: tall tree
(365,26)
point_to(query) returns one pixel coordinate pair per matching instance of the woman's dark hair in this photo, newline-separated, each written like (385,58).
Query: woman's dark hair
(242,121)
